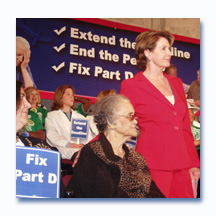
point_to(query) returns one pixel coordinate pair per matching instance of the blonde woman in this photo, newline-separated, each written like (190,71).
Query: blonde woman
(33,97)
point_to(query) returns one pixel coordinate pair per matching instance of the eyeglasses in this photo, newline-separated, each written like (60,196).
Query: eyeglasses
(131,116)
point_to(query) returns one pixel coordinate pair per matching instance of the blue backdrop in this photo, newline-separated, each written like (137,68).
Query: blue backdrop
(69,35)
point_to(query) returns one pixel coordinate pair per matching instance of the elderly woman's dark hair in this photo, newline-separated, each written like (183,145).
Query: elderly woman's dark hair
(147,40)
(19,85)
(106,109)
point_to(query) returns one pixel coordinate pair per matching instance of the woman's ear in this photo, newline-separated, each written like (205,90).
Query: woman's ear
(147,54)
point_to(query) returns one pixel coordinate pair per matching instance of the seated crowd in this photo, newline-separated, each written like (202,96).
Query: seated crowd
(102,165)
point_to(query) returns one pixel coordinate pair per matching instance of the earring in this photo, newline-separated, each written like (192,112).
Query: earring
(112,127)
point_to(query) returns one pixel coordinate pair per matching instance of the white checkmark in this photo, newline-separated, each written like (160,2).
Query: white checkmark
(58,32)
(59,67)
(58,49)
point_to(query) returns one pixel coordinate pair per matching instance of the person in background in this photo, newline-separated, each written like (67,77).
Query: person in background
(172,71)
(84,107)
(22,106)
(195,128)
(194,91)
(58,123)
(105,93)
(106,168)
(165,138)
(23,72)
(33,97)
(34,127)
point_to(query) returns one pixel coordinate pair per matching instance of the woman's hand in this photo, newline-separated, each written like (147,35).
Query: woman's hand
(197,103)
(74,145)
(79,146)
(194,174)
(76,158)
(26,58)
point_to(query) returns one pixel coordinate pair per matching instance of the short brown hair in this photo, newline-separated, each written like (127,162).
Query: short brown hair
(59,92)
(148,40)
(167,70)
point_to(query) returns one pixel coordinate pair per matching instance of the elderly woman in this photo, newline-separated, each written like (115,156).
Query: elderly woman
(22,106)
(159,101)
(106,167)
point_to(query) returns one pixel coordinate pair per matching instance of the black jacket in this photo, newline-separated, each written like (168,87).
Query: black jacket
(99,173)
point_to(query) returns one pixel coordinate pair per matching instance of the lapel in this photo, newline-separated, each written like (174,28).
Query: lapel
(148,87)
(64,121)
(177,87)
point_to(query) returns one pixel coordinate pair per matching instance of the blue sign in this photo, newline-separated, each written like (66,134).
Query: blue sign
(37,173)
(79,129)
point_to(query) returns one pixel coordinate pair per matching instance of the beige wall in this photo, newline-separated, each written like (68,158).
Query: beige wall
(189,27)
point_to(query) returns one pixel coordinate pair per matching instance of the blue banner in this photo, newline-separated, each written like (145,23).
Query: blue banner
(91,57)
(37,173)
